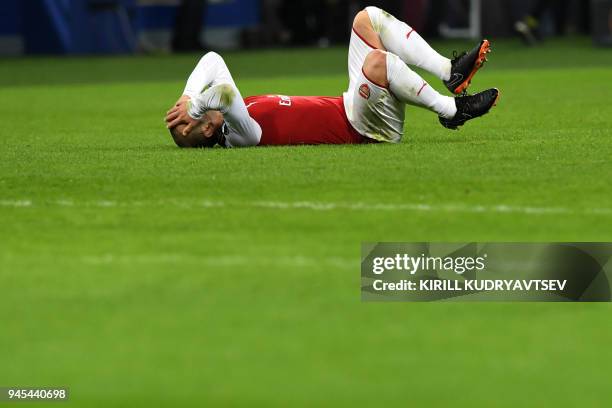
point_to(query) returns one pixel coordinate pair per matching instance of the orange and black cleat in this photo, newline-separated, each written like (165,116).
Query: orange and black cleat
(465,66)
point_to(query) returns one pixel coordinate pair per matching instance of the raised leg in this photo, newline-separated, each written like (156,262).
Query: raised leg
(383,31)
(387,70)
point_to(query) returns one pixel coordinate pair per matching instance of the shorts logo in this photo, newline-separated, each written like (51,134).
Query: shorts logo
(364,91)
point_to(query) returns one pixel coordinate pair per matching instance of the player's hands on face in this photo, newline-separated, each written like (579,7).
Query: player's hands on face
(179,115)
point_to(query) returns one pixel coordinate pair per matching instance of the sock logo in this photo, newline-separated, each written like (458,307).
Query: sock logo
(364,91)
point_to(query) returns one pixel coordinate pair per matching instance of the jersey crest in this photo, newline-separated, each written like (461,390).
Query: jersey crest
(364,91)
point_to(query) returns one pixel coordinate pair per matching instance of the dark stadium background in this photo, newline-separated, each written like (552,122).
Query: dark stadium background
(126,26)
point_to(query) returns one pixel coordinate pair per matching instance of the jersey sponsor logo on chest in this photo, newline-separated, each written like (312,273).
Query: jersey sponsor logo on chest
(283,99)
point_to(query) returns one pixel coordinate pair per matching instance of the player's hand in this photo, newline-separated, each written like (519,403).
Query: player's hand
(179,115)
(183,99)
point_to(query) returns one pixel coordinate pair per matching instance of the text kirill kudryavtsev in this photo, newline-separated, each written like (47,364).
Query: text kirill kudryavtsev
(460,265)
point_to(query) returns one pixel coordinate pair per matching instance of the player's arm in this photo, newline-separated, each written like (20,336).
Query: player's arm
(211,87)
(243,131)
(211,70)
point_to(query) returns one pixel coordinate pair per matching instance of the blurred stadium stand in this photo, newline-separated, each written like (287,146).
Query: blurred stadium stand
(110,26)
(601,15)
(126,26)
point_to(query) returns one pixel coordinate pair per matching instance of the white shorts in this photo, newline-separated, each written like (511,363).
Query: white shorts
(370,108)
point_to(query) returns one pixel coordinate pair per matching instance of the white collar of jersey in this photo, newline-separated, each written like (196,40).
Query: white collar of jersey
(224,129)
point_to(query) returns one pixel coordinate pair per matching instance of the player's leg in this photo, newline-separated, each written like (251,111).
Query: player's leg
(383,31)
(388,71)
(370,106)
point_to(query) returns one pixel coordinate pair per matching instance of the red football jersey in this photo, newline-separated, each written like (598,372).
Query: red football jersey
(293,120)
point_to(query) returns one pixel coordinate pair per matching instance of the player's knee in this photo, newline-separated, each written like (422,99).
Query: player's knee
(361,19)
(375,67)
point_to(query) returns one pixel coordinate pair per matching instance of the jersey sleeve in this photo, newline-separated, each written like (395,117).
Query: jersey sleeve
(211,70)
(211,87)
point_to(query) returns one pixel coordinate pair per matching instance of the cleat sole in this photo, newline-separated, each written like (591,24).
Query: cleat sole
(485,48)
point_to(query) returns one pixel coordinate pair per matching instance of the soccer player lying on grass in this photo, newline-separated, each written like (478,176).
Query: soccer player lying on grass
(212,111)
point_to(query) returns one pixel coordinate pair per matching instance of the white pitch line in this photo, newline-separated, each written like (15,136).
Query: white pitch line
(223,260)
(427,208)
(317,206)
(15,203)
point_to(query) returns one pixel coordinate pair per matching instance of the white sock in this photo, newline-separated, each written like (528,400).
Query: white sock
(401,39)
(409,87)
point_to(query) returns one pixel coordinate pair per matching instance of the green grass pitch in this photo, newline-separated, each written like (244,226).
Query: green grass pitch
(141,275)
